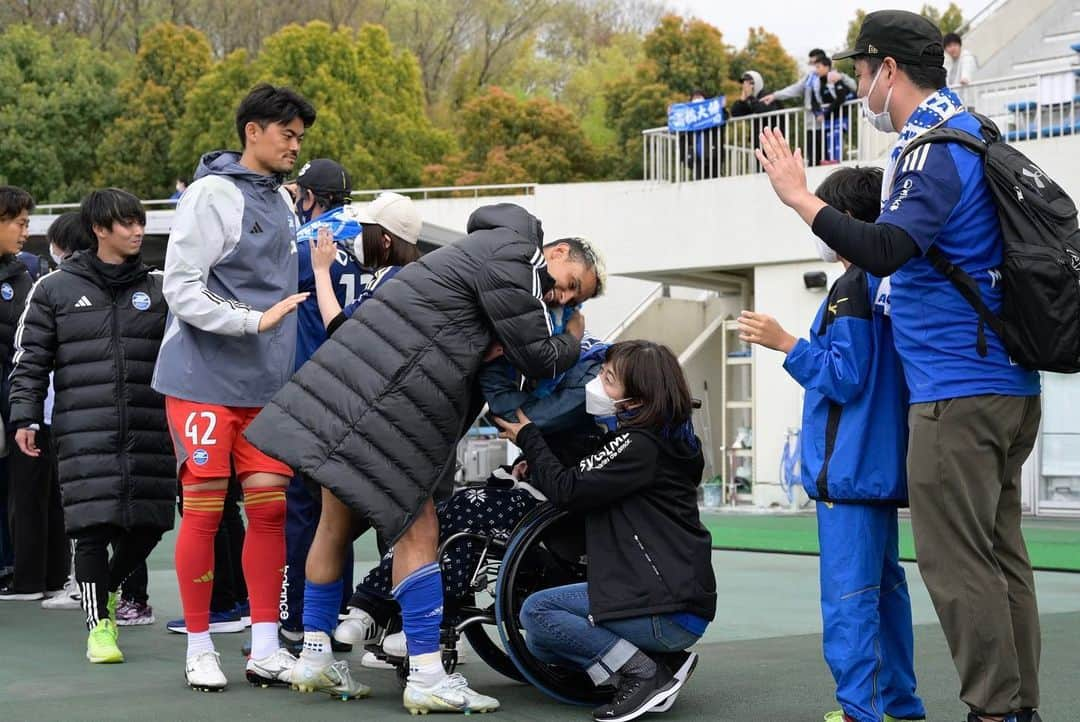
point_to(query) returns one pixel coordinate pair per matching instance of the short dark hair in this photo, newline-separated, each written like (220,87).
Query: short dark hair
(68,233)
(952,39)
(400,252)
(651,375)
(816,53)
(107,206)
(13,201)
(824,60)
(854,190)
(925,76)
(267,104)
(328,201)
(583,252)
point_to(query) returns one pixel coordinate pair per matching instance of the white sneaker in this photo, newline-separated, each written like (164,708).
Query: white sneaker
(451,694)
(394,645)
(67,597)
(275,670)
(203,672)
(356,628)
(370,661)
(333,677)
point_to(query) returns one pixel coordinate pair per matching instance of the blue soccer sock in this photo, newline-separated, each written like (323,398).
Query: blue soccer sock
(420,596)
(321,604)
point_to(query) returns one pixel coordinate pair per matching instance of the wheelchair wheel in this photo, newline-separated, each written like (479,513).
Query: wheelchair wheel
(545,551)
(489,650)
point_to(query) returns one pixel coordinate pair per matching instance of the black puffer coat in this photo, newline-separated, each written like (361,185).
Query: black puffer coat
(376,414)
(15,282)
(116,462)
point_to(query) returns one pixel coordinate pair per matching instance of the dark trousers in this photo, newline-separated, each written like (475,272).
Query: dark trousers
(135,587)
(964,460)
(36,519)
(98,574)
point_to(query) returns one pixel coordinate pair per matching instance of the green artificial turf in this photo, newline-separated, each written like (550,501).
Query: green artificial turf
(1053,545)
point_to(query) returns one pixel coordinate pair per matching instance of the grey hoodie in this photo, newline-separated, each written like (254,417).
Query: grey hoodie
(231,256)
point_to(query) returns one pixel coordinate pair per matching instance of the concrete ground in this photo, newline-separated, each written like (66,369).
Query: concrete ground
(761,660)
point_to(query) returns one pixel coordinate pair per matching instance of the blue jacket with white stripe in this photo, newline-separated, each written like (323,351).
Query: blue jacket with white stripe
(854,434)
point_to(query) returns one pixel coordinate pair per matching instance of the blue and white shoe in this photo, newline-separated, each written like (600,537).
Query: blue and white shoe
(220,623)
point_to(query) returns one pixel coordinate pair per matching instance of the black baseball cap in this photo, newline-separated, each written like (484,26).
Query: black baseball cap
(323,175)
(903,36)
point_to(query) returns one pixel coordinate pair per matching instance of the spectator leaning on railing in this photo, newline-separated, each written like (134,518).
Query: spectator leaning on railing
(959,63)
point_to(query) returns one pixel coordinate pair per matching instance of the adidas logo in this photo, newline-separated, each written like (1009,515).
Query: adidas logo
(83,302)
(208,577)
(256,228)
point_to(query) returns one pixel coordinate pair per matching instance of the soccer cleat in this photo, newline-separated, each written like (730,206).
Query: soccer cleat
(333,678)
(358,627)
(203,672)
(394,645)
(220,623)
(837,716)
(133,614)
(451,694)
(273,671)
(101,645)
(244,610)
(682,665)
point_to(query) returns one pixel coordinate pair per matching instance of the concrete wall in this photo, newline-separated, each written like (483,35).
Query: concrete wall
(779,291)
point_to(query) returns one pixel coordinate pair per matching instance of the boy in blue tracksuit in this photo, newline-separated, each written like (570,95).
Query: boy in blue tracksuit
(854,445)
(323,191)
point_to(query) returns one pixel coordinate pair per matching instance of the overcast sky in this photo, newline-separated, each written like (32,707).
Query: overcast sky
(801,24)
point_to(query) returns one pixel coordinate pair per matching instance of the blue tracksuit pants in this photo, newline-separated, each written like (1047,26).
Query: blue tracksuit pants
(866,612)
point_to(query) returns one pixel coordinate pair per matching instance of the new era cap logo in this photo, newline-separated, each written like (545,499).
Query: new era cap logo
(256,228)
(83,302)
(871,50)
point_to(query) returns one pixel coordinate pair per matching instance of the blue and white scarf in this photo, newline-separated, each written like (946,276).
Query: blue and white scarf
(931,113)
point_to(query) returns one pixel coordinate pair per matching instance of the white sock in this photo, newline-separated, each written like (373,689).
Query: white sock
(264,641)
(317,647)
(426,670)
(199,642)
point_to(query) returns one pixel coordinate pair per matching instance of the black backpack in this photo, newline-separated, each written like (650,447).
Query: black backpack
(1040,271)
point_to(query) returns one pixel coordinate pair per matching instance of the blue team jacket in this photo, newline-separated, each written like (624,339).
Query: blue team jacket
(854,433)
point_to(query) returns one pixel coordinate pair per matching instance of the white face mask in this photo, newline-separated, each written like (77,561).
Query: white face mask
(824,252)
(57,258)
(597,402)
(358,248)
(881,121)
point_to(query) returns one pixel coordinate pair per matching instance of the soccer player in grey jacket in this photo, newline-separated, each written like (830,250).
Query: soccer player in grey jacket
(230,281)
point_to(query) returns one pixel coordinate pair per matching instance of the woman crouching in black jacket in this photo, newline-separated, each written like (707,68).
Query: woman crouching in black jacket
(651,590)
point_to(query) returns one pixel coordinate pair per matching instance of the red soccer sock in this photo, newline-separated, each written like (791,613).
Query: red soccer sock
(264,550)
(195,555)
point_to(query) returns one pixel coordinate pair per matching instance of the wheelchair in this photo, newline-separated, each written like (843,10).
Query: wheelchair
(546,549)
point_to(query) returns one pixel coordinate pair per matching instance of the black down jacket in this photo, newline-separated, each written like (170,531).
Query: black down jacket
(376,414)
(116,462)
(15,285)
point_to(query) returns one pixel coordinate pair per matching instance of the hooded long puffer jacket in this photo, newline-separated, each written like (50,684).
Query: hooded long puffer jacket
(376,414)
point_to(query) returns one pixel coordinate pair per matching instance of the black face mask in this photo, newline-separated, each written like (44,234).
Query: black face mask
(305,216)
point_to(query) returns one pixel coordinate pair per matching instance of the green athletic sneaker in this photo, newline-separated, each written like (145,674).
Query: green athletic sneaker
(101,644)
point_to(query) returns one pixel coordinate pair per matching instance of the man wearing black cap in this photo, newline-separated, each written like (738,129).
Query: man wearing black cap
(323,192)
(974,415)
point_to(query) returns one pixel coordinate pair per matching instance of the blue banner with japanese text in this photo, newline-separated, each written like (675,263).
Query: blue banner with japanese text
(696,114)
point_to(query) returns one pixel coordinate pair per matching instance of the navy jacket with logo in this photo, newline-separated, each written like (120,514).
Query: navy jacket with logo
(854,434)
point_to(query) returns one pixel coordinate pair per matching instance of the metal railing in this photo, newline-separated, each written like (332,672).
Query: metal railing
(729,150)
(1024,107)
(1027,107)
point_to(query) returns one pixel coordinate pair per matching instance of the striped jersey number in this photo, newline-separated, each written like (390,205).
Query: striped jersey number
(348,280)
(191,428)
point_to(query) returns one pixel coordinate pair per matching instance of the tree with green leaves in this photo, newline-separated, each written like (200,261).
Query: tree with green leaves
(948,21)
(507,140)
(57,99)
(136,152)
(367,93)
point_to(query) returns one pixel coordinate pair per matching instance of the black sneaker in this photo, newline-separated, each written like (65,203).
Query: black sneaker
(681,665)
(637,696)
(9,593)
